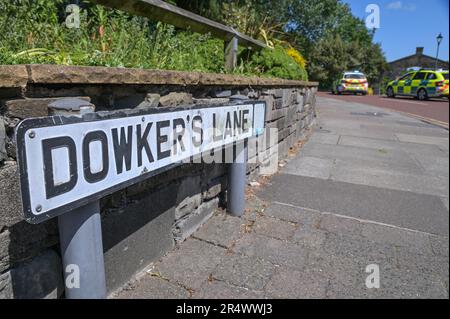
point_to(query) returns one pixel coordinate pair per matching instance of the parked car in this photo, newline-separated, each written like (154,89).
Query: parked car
(351,82)
(421,84)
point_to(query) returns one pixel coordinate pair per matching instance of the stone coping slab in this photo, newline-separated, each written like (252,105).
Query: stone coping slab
(13,76)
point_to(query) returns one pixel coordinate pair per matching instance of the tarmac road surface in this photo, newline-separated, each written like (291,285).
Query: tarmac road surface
(434,109)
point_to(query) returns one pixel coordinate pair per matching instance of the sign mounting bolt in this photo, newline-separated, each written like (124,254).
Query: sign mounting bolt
(38,208)
(32,134)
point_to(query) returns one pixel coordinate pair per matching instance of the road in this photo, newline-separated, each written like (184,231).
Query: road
(435,109)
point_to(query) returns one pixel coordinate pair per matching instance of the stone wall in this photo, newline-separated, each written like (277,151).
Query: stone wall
(143,222)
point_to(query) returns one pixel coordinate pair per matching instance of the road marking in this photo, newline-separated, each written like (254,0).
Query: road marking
(367,221)
(410,102)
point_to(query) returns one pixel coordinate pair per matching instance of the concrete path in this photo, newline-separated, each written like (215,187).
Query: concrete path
(370,187)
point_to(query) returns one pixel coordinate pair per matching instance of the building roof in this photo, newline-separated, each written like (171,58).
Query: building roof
(414,55)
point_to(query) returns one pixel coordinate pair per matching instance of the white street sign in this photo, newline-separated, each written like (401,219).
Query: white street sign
(66,162)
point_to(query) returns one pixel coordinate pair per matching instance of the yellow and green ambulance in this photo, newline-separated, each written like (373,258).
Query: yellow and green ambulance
(422,84)
(351,82)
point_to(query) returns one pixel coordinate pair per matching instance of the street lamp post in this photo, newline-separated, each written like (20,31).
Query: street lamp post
(439,40)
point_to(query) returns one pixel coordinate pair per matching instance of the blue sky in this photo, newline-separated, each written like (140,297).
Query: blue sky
(405,25)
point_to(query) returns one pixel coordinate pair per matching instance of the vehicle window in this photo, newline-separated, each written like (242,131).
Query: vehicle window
(406,77)
(431,76)
(445,75)
(354,76)
(420,76)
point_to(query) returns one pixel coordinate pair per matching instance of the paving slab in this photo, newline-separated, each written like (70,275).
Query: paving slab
(400,208)
(406,179)
(392,159)
(379,144)
(421,139)
(294,214)
(273,250)
(445,202)
(151,287)
(324,138)
(339,225)
(222,229)
(243,271)
(276,228)
(222,290)
(439,245)
(309,237)
(191,264)
(310,166)
(433,165)
(295,284)
(413,241)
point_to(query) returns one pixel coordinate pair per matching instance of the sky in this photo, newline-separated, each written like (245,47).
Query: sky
(405,25)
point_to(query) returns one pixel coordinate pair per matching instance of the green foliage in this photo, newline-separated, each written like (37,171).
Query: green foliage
(344,46)
(325,32)
(33,32)
(273,63)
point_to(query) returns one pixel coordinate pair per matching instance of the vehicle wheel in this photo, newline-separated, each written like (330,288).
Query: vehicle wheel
(390,92)
(422,95)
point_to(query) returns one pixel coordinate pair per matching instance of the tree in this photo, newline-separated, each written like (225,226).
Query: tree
(325,32)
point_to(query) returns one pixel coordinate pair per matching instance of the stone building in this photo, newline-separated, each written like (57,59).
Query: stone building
(398,67)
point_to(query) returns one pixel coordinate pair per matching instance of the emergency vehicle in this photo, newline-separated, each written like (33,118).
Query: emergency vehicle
(421,84)
(351,82)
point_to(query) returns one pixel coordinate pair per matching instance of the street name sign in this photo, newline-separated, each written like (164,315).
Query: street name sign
(68,161)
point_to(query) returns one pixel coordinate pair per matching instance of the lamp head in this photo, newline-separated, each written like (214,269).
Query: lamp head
(439,38)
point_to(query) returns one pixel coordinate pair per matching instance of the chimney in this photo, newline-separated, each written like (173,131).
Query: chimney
(419,51)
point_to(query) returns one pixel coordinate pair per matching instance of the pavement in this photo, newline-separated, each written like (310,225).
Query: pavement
(435,110)
(367,194)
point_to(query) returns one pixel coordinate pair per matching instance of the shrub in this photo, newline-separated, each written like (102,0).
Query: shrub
(274,63)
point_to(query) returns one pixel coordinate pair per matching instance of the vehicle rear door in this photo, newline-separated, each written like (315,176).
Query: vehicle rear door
(431,81)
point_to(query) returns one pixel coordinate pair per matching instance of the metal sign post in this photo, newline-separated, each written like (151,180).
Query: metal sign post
(80,235)
(68,163)
(236,181)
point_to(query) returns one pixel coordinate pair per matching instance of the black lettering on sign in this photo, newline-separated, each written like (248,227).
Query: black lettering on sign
(237,123)
(51,189)
(228,128)
(197,129)
(160,139)
(142,143)
(245,120)
(122,147)
(88,139)
(178,135)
